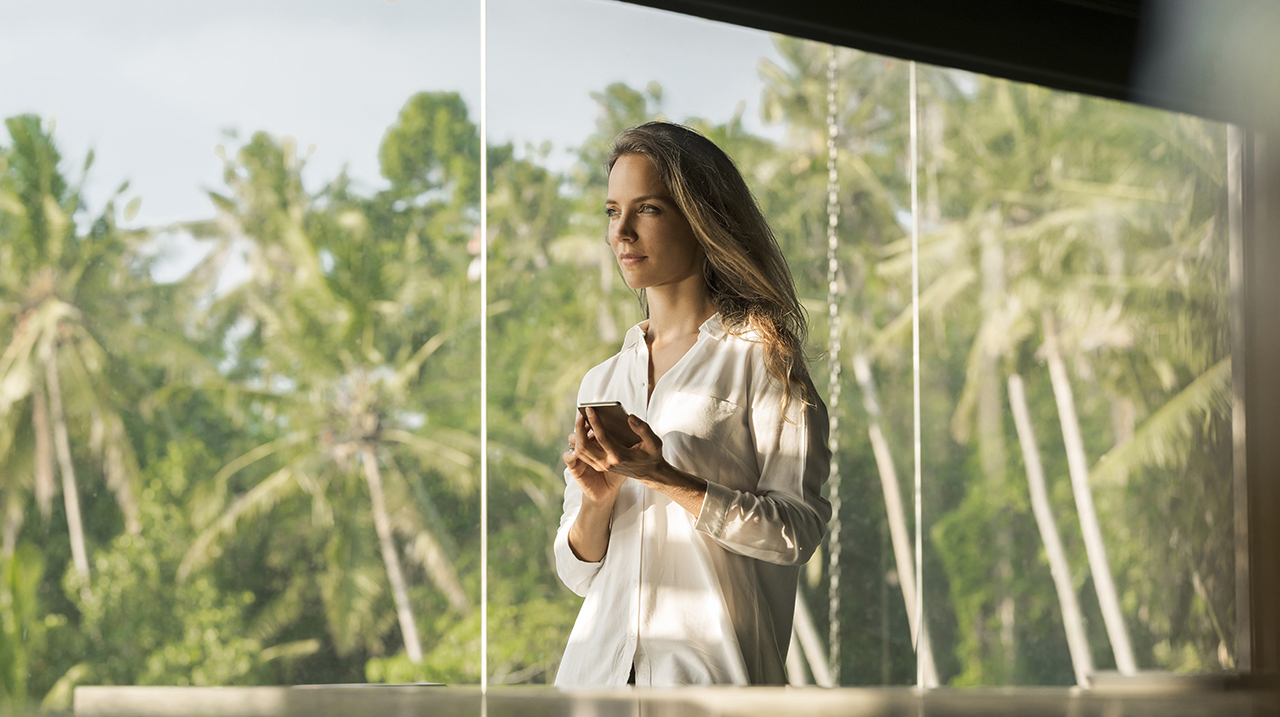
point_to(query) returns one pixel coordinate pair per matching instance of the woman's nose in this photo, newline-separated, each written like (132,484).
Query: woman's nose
(622,229)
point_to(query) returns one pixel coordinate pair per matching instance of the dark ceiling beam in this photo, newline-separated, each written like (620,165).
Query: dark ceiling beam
(1077,46)
(1096,47)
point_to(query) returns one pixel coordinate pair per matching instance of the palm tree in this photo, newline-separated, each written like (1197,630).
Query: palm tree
(345,304)
(1078,261)
(902,551)
(972,256)
(1095,548)
(67,296)
(1059,567)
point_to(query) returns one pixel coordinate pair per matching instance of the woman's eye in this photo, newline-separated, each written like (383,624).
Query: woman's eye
(649,208)
(610,212)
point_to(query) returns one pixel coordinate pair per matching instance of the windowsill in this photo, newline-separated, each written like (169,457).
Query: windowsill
(442,701)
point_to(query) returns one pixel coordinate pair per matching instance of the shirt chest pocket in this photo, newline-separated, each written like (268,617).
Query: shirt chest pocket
(709,438)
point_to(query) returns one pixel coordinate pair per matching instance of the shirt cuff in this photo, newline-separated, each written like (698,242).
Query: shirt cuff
(715,509)
(576,573)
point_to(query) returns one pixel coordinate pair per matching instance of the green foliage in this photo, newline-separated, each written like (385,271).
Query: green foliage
(239,431)
(133,623)
(22,627)
(433,147)
(353,319)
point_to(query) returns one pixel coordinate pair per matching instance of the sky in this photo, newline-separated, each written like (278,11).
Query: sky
(152,85)
(547,56)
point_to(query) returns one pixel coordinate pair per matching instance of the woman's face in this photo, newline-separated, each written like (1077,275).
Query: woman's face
(651,239)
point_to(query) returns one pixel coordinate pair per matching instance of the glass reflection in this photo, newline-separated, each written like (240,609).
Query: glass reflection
(1076,377)
(560,308)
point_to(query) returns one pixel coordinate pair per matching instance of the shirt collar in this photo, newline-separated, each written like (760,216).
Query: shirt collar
(634,336)
(711,327)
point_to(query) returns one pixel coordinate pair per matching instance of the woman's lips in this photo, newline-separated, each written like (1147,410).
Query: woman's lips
(630,259)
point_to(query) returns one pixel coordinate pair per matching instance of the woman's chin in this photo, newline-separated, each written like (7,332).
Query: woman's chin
(635,281)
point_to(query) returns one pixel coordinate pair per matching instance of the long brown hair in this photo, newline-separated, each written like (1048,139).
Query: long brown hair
(749,281)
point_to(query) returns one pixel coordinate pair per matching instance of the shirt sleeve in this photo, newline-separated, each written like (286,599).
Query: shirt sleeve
(576,574)
(785,518)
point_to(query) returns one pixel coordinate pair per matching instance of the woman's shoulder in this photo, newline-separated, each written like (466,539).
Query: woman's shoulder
(600,372)
(611,369)
(745,341)
(749,348)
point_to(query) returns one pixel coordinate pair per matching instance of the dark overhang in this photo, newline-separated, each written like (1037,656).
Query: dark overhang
(1174,54)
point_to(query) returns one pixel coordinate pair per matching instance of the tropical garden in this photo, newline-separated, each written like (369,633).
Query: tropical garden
(268,471)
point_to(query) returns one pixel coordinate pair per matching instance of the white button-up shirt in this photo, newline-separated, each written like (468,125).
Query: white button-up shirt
(705,600)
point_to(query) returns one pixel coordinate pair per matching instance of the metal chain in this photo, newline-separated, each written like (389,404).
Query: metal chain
(833,354)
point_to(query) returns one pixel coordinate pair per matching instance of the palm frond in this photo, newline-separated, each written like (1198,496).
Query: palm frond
(936,296)
(321,508)
(503,452)
(290,650)
(962,418)
(429,543)
(427,447)
(259,453)
(259,500)
(411,367)
(350,595)
(1112,190)
(33,335)
(411,493)
(120,466)
(1162,439)
(427,552)
(278,614)
(936,250)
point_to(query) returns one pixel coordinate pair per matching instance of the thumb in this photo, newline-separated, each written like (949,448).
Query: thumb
(642,429)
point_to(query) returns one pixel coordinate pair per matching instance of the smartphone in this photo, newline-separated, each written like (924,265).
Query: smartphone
(612,418)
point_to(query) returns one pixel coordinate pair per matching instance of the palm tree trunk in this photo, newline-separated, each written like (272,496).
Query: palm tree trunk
(803,631)
(45,486)
(382,524)
(991,448)
(70,496)
(896,515)
(113,465)
(1072,618)
(12,518)
(795,663)
(1078,466)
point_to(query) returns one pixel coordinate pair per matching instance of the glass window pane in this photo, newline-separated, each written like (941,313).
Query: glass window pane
(559,306)
(1076,384)
(240,414)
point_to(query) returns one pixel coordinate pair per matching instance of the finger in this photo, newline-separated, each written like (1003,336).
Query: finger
(648,438)
(579,433)
(590,452)
(581,473)
(605,442)
(583,442)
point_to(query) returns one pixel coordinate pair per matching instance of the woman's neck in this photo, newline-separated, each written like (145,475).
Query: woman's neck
(677,310)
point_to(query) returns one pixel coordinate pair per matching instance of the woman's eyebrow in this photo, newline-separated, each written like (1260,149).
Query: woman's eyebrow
(645,198)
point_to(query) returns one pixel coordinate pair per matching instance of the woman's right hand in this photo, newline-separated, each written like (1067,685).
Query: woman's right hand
(597,487)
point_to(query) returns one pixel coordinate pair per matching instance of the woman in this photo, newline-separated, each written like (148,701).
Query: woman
(687,545)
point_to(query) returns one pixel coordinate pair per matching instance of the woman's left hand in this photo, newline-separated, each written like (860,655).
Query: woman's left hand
(643,460)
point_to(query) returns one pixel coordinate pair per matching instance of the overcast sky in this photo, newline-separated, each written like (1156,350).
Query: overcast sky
(150,85)
(546,56)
